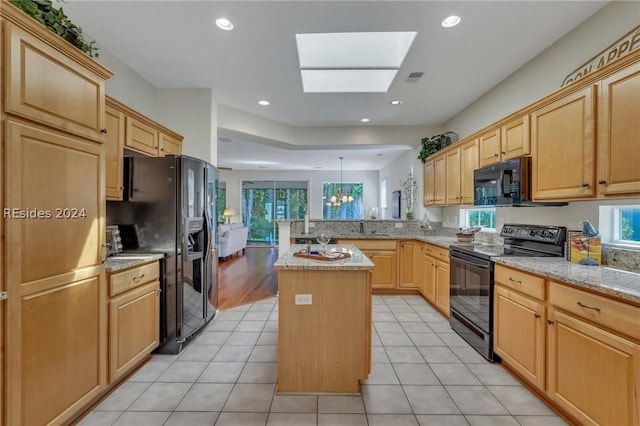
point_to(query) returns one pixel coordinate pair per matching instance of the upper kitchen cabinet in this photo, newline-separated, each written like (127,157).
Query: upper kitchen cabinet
(453,176)
(64,91)
(440,179)
(469,161)
(563,147)
(429,182)
(141,137)
(114,151)
(619,127)
(169,145)
(503,143)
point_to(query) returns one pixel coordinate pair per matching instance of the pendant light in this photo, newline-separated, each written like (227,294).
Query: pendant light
(337,199)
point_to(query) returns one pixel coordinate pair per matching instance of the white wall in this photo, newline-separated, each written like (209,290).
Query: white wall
(544,74)
(233,180)
(191,113)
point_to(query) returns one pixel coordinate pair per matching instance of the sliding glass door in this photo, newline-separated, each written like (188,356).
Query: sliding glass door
(264,202)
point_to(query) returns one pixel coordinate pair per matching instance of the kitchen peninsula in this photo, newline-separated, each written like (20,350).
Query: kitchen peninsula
(324,330)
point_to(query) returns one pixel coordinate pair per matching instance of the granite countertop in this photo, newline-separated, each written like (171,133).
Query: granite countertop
(614,282)
(440,240)
(124,260)
(357,261)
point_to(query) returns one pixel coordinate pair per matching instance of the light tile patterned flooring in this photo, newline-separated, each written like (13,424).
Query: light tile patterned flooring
(423,374)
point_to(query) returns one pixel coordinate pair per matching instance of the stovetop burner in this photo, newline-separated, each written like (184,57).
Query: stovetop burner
(521,241)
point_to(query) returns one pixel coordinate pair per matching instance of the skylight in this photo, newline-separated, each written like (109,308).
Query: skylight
(351,62)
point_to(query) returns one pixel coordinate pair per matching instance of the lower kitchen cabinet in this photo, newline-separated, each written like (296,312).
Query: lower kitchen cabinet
(134,318)
(384,254)
(408,273)
(436,277)
(442,286)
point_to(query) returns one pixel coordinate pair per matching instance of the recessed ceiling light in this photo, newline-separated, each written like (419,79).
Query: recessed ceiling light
(396,102)
(263,103)
(224,24)
(364,120)
(451,21)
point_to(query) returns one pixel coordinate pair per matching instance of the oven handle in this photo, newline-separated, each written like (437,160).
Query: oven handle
(471,260)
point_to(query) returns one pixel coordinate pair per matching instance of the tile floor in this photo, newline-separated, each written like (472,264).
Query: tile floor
(422,374)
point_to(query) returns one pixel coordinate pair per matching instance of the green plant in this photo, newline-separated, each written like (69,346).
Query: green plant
(56,20)
(432,144)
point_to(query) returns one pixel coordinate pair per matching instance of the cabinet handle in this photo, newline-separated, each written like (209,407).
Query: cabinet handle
(582,305)
(585,184)
(503,153)
(495,155)
(103,131)
(549,322)
(602,181)
(537,315)
(138,278)
(515,281)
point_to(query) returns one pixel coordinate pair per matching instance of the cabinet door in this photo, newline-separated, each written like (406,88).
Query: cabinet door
(134,320)
(141,137)
(114,152)
(50,88)
(515,139)
(54,274)
(619,127)
(430,279)
(453,177)
(418,266)
(169,146)
(490,148)
(408,251)
(519,334)
(429,181)
(592,374)
(469,161)
(386,272)
(440,180)
(442,287)
(563,148)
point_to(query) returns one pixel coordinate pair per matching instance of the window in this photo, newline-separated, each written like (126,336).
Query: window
(484,218)
(333,208)
(626,225)
(221,200)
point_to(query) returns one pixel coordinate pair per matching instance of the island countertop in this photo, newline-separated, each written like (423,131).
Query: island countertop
(357,261)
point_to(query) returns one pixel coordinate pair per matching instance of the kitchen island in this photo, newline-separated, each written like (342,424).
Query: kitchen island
(324,317)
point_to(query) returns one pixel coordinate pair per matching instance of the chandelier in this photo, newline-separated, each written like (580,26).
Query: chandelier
(337,199)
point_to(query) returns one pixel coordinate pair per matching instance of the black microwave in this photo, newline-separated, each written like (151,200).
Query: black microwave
(505,184)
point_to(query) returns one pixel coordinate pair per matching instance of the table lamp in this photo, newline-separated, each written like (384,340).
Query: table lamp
(589,231)
(227,213)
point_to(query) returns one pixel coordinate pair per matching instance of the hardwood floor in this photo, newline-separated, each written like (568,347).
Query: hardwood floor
(247,278)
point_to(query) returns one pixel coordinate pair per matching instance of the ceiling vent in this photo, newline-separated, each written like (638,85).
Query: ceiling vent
(225,140)
(414,77)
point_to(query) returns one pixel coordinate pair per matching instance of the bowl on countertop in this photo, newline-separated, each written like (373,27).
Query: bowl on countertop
(464,238)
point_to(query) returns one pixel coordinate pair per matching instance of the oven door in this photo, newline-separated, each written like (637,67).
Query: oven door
(471,284)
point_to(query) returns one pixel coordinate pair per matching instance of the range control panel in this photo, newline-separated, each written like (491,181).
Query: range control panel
(545,234)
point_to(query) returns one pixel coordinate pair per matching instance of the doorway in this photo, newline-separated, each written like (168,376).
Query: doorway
(264,202)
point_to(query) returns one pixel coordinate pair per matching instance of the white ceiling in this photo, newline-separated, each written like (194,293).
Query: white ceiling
(175,44)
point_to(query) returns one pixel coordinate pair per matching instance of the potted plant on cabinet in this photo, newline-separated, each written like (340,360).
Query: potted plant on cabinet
(435,143)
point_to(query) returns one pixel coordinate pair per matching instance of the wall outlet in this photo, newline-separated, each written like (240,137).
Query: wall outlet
(303,299)
(398,225)
(312,225)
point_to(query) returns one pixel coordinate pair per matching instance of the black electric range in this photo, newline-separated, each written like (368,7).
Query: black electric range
(472,278)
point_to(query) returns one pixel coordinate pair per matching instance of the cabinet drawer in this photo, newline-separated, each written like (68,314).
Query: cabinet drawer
(609,313)
(442,254)
(372,244)
(131,278)
(520,281)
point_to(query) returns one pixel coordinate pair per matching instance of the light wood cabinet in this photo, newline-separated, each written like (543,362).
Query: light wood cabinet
(57,302)
(469,161)
(169,146)
(490,147)
(429,183)
(514,138)
(408,275)
(563,148)
(114,153)
(141,137)
(440,180)
(619,127)
(520,331)
(453,176)
(593,374)
(134,318)
(45,86)
(436,277)
(384,254)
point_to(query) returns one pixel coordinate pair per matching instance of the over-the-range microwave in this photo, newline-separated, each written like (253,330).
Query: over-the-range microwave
(506,184)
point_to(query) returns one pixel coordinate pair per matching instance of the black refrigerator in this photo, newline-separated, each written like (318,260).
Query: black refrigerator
(169,207)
